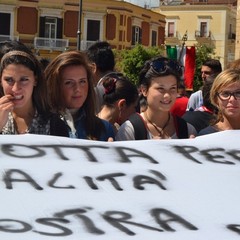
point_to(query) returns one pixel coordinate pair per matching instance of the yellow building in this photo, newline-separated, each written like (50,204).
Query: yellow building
(237,51)
(51,26)
(213,25)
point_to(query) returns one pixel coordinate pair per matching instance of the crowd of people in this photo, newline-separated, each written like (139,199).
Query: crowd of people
(81,95)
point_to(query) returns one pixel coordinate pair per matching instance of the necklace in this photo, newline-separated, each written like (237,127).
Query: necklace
(158,129)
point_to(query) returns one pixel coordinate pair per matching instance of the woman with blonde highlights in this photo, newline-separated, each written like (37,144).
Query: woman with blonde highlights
(225,95)
(71,94)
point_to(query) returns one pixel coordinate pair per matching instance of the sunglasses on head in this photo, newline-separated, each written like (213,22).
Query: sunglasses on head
(160,65)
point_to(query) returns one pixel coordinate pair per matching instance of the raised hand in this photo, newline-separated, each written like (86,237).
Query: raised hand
(6,105)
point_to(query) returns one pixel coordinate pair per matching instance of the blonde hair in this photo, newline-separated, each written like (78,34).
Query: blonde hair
(234,64)
(223,79)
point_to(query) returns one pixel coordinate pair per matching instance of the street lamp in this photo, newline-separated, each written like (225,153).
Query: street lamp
(79,26)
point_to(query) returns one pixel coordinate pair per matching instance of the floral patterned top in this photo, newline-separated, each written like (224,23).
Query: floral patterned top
(51,125)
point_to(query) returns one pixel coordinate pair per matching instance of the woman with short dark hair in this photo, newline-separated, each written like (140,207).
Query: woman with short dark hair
(159,80)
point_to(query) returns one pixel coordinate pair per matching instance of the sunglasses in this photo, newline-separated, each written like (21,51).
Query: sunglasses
(160,65)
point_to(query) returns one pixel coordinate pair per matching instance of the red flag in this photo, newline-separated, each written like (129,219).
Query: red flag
(189,67)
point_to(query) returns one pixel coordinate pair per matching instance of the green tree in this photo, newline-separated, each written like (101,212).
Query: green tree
(131,61)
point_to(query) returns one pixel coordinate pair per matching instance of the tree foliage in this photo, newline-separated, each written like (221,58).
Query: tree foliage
(131,61)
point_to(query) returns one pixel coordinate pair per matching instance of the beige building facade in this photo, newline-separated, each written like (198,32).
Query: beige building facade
(237,51)
(51,26)
(213,25)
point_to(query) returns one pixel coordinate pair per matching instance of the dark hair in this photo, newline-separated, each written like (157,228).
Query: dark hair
(10,45)
(167,67)
(119,88)
(181,85)
(44,62)
(102,55)
(142,103)
(28,60)
(206,96)
(53,71)
(214,64)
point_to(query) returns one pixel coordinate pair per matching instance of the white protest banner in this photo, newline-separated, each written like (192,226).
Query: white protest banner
(60,188)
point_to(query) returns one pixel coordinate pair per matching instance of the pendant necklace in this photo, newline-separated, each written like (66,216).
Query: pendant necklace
(158,129)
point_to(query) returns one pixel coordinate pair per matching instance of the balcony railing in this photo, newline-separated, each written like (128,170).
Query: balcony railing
(173,35)
(51,44)
(202,34)
(86,44)
(8,37)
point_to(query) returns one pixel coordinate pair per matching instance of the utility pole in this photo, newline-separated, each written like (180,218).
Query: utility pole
(79,26)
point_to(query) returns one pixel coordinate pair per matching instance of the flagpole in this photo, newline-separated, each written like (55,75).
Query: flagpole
(184,39)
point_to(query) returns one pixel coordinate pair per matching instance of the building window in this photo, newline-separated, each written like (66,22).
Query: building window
(203,29)
(136,35)
(50,27)
(231,35)
(154,38)
(170,29)
(93,30)
(5,19)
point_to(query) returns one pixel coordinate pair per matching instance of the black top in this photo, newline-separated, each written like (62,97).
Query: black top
(198,119)
(207,130)
(58,126)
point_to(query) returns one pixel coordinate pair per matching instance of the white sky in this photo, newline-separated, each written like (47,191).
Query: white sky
(151,3)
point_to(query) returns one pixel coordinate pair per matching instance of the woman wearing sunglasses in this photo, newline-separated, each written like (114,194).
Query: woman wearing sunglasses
(225,95)
(159,81)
